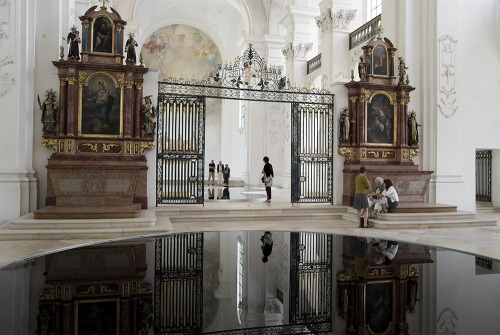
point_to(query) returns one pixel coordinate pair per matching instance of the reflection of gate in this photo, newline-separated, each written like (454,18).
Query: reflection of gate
(483,175)
(312,153)
(178,301)
(311,280)
(181,149)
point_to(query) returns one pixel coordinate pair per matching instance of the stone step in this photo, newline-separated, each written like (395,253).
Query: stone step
(426,216)
(479,222)
(264,210)
(256,217)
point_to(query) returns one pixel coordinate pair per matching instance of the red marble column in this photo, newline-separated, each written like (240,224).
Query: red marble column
(125,316)
(137,113)
(360,121)
(63,93)
(128,107)
(353,108)
(71,119)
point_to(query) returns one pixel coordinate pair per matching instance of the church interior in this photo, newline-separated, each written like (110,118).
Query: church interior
(193,167)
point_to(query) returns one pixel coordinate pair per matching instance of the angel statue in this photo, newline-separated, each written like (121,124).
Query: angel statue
(149,111)
(49,112)
(402,70)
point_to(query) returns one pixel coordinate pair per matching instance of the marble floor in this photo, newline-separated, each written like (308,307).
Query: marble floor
(248,212)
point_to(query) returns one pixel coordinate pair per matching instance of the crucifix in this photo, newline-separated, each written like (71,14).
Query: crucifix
(379,31)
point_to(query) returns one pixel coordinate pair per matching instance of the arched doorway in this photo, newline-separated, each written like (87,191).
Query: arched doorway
(181,129)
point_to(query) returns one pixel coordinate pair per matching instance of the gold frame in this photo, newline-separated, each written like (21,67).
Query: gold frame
(85,82)
(388,61)
(113,42)
(392,101)
(391,323)
(86,301)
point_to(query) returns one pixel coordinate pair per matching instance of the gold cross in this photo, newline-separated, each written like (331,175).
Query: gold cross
(104,2)
(379,31)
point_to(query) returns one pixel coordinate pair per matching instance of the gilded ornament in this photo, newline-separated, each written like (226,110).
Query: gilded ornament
(107,147)
(71,81)
(414,153)
(105,289)
(50,144)
(348,275)
(129,83)
(82,75)
(63,81)
(413,272)
(374,153)
(90,290)
(346,152)
(144,288)
(404,271)
(353,98)
(92,146)
(47,293)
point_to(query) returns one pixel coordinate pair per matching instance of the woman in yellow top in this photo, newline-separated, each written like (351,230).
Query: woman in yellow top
(360,198)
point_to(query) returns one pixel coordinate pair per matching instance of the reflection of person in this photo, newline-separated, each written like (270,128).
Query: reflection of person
(268,178)
(267,245)
(227,174)
(99,108)
(361,264)
(225,193)
(49,112)
(361,69)
(412,129)
(149,117)
(102,38)
(385,251)
(360,198)
(73,41)
(130,47)
(220,173)
(390,194)
(211,172)
(211,193)
(373,199)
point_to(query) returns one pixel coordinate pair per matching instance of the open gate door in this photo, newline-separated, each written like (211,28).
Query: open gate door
(312,153)
(181,150)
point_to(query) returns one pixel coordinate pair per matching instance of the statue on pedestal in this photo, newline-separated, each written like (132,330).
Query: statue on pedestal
(73,41)
(149,125)
(402,70)
(130,47)
(412,129)
(345,127)
(49,112)
(361,69)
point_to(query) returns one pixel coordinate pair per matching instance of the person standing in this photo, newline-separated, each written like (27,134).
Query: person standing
(227,174)
(211,172)
(220,173)
(360,198)
(268,173)
(267,245)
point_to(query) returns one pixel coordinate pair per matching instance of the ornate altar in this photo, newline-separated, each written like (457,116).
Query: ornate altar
(377,130)
(380,304)
(99,148)
(96,290)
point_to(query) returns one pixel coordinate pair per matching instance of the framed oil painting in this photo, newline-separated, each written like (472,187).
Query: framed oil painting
(101,107)
(380,120)
(380,61)
(379,306)
(97,317)
(102,39)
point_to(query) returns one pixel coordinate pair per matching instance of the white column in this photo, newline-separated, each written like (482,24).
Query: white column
(17,184)
(15,293)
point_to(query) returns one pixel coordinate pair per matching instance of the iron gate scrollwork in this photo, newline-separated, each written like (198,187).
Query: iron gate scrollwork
(178,297)
(311,279)
(483,175)
(181,149)
(312,153)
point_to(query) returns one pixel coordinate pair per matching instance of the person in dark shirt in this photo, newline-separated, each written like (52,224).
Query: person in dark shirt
(268,175)
(267,245)
(211,172)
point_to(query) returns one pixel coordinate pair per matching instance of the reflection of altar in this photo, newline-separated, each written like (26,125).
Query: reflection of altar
(379,305)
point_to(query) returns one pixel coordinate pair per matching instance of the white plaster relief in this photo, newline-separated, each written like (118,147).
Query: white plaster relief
(447,77)
(447,322)
(271,306)
(296,50)
(354,55)
(7,81)
(335,19)
(4,19)
(274,124)
(341,77)
(109,3)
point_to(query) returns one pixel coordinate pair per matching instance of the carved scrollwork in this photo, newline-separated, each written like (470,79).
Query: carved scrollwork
(92,146)
(47,293)
(146,146)
(349,275)
(144,288)
(414,153)
(50,144)
(107,147)
(348,153)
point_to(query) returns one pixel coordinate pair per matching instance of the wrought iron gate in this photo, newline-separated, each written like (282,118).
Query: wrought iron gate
(311,280)
(483,175)
(181,149)
(178,301)
(312,153)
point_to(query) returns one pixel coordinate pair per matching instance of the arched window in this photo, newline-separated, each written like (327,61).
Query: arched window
(374,8)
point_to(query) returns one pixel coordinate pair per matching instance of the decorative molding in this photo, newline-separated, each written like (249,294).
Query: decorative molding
(272,306)
(109,3)
(6,80)
(335,20)
(296,50)
(447,321)
(447,76)
(341,77)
